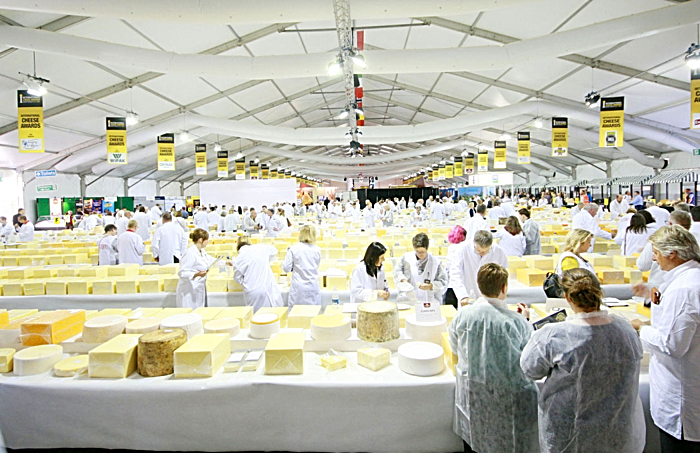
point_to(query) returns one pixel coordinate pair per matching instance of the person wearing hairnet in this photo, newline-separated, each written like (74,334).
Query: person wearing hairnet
(252,271)
(590,399)
(421,269)
(303,260)
(495,403)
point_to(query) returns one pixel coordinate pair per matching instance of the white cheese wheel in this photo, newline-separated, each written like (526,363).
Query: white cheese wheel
(264,325)
(378,322)
(191,323)
(332,327)
(425,331)
(71,366)
(230,326)
(103,328)
(37,359)
(421,358)
(143,325)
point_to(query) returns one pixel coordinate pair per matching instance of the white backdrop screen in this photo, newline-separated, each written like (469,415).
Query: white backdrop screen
(250,193)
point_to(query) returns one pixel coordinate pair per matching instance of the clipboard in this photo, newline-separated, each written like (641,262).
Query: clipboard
(214,263)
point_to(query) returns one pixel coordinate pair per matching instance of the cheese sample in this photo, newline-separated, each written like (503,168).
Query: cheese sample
(620,261)
(252,361)
(331,327)
(103,328)
(425,331)
(611,276)
(148,270)
(264,325)
(217,284)
(127,285)
(6,355)
(52,328)
(515,263)
(9,334)
(150,285)
(168,269)
(333,362)
(449,312)
(202,356)
(171,311)
(12,288)
(56,287)
(243,314)
(68,272)
(230,326)
(531,277)
(20,273)
(284,354)
(36,360)
(170,284)
(191,323)
(373,358)
(104,287)
(377,322)
(282,312)
(93,272)
(208,313)
(115,358)
(451,359)
(80,287)
(420,358)
(156,351)
(143,313)
(4,318)
(71,366)
(234,362)
(34,287)
(143,325)
(539,262)
(123,270)
(632,275)
(300,316)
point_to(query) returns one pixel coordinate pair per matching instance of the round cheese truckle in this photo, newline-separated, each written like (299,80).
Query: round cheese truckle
(156,351)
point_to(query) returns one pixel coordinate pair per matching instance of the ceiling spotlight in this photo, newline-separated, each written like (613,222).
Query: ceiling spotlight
(452,157)
(344,114)
(131,118)
(358,60)
(184,136)
(504,136)
(217,147)
(257,160)
(335,67)
(692,56)
(538,123)
(239,155)
(592,99)
(35,85)
(442,162)
(359,111)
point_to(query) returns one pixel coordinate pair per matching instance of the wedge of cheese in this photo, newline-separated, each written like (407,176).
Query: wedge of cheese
(202,356)
(36,360)
(373,358)
(333,362)
(284,354)
(242,314)
(282,312)
(115,358)
(300,316)
(52,328)
(72,366)
(6,355)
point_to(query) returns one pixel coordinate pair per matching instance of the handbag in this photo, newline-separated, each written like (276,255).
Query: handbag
(552,286)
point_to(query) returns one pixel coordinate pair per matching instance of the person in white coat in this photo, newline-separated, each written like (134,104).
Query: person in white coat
(26,230)
(469,258)
(660,214)
(387,216)
(123,218)
(368,280)
(369,215)
(417,217)
(252,271)
(90,221)
(108,218)
(512,239)
(476,223)
(577,242)
(169,242)
(303,260)
(421,269)
(251,224)
(107,246)
(618,207)
(585,220)
(437,211)
(635,236)
(143,221)
(201,220)
(231,221)
(531,230)
(130,245)
(497,211)
(6,230)
(191,289)
(213,218)
(155,213)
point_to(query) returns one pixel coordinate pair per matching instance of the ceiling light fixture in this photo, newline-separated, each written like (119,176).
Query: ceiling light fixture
(184,136)
(592,99)
(504,136)
(35,85)
(335,67)
(257,160)
(239,155)
(538,123)
(131,118)
(692,56)
(217,147)
(344,114)
(357,59)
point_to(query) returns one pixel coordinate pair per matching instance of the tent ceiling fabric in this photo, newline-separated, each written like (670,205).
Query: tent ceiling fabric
(442,77)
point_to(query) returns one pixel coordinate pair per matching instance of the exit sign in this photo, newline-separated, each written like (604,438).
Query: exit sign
(696,152)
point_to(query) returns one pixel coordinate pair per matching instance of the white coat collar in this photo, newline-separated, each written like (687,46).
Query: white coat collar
(675,272)
(491,300)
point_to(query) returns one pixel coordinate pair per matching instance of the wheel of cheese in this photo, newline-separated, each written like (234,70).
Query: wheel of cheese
(332,327)
(421,358)
(378,322)
(143,325)
(191,323)
(156,351)
(103,328)
(71,366)
(425,331)
(230,326)
(37,359)
(264,325)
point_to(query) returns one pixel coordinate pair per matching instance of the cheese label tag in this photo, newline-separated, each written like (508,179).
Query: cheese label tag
(200,153)
(428,311)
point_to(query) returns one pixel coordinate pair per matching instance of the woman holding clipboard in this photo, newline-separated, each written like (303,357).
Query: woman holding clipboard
(194,266)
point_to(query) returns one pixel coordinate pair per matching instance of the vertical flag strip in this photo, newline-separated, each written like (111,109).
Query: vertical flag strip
(499,158)
(523,147)
(116,141)
(200,159)
(612,120)
(469,164)
(240,168)
(695,99)
(449,170)
(459,166)
(222,164)
(483,161)
(30,122)
(359,92)
(254,170)
(288,174)
(265,171)
(166,152)
(560,137)
(441,172)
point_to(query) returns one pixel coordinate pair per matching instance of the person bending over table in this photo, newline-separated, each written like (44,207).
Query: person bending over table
(469,258)
(252,271)
(421,269)
(303,260)
(368,278)
(191,289)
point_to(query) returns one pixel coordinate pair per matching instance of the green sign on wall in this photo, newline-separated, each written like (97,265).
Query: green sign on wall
(47,188)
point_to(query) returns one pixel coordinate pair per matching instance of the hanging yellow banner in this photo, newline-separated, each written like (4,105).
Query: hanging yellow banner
(499,157)
(240,168)
(265,172)
(200,159)
(523,147)
(449,171)
(254,170)
(222,164)
(695,99)
(459,166)
(30,122)
(116,141)
(469,165)
(441,172)
(483,161)
(612,121)
(430,175)
(288,174)
(273,174)
(560,137)
(436,172)
(166,152)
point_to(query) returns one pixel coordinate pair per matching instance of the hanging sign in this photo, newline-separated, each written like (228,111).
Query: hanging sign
(265,171)
(449,171)
(469,165)
(222,164)
(430,175)
(483,161)
(288,174)
(612,120)
(240,168)
(254,170)
(166,152)
(116,141)
(436,172)
(499,158)
(200,159)
(441,172)
(459,166)
(560,137)
(695,99)
(30,122)
(523,147)
(273,174)
(44,173)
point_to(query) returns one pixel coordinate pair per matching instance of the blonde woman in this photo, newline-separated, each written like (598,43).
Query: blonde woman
(303,260)
(577,242)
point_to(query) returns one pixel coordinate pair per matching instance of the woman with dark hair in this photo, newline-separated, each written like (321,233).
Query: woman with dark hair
(513,240)
(636,235)
(650,221)
(368,279)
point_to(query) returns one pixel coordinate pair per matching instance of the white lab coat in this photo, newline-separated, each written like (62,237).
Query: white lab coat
(252,271)
(660,215)
(130,247)
(584,221)
(634,242)
(213,219)
(496,213)
(107,246)
(532,237)
(619,208)
(467,264)
(26,232)
(144,221)
(438,212)
(108,220)
(231,222)
(508,209)
(674,341)
(288,210)
(90,222)
(274,226)
(363,286)
(417,218)
(183,224)
(369,215)
(122,225)
(155,213)
(169,241)
(474,224)
(582,263)
(303,261)
(645,263)
(192,292)
(695,230)
(249,225)
(407,269)
(201,220)
(387,218)
(512,245)
(622,227)
(6,230)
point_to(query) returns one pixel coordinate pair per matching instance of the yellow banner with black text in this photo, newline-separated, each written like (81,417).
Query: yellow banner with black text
(116,141)
(30,122)
(166,152)
(560,137)
(222,164)
(200,159)
(523,147)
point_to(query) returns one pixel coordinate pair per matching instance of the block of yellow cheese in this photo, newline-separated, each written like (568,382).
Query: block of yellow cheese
(539,262)
(515,263)
(217,284)
(242,314)
(449,312)
(168,269)
(68,272)
(34,287)
(18,313)
(127,285)
(284,354)
(333,362)
(531,277)
(300,316)
(632,275)
(373,358)
(115,358)
(282,312)
(12,288)
(599,260)
(20,273)
(123,270)
(46,272)
(52,328)
(104,286)
(56,287)
(171,311)
(93,272)
(72,366)
(150,285)
(208,313)
(4,317)
(80,286)
(620,261)
(451,358)
(611,276)
(202,356)
(6,355)
(548,249)
(170,284)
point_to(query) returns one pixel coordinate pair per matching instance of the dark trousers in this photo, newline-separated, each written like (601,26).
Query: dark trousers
(450,298)
(176,260)
(639,207)
(467,448)
(670,444)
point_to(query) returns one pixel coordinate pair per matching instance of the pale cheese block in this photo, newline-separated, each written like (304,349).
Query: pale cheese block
(191,323)
(632,275)
(36,360)
(149,270)
(331,327)
(284,354)
(103,328)
(264,325)
(9,333)
(171,311)
(52,328)
(539,262)
(282,312)
(168,269)
(4,318)
(601,261)
(334,362)
(515,263)
(93,272)
(548,249)
(143,325)
(72,366)
(611,276)
(80,287)
(449,312)
(208,313)
(68,272)
(104,286)
(20,273)
(57,287)
(127,285)
(34,287)
(156,351)
(421,358)
(123,270)
(377,322)
(6,355)
(202,356)
(531,277)
(115,358)
(170,283)
(300,316)
(230,326)
(333,310)
(451,359)
(620,261)
(217,284)
(12,288)
(373,359)
(425,331)
(115,312)
(151,285)
(243,314)
(143,313)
